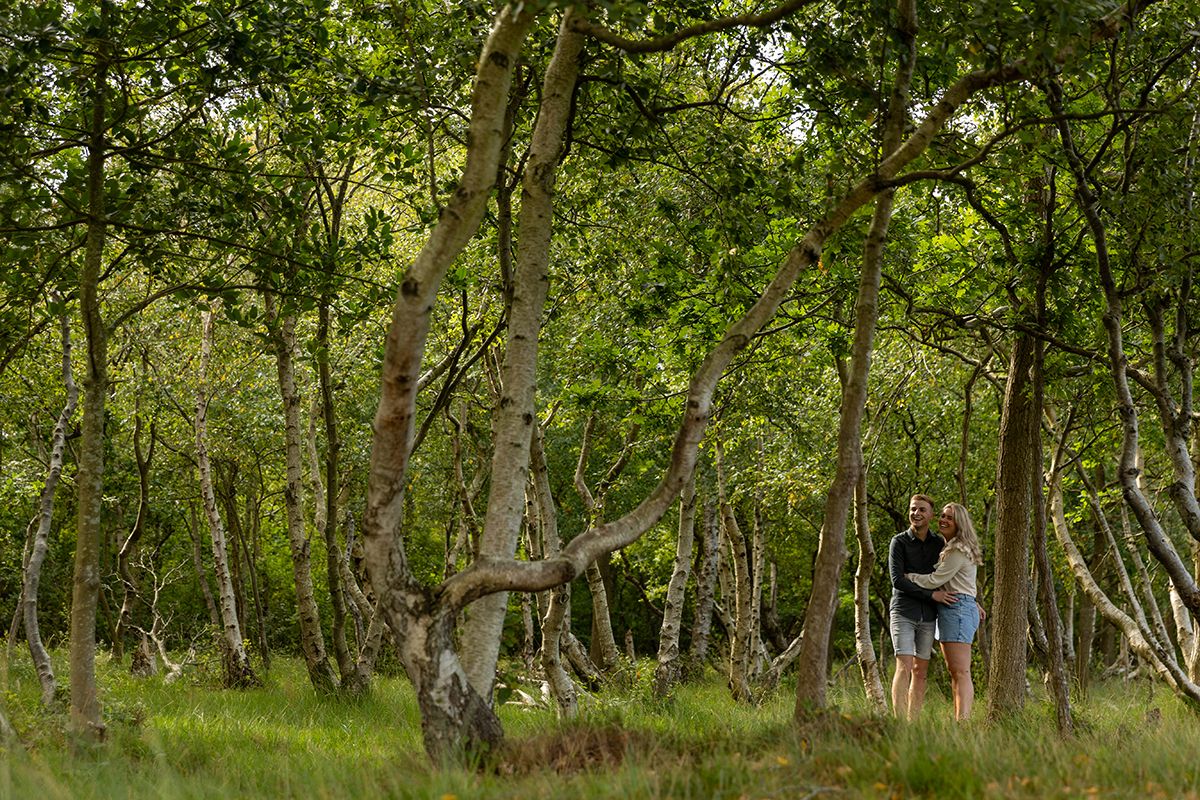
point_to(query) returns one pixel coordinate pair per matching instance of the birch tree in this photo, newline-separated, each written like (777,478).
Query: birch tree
(453,713)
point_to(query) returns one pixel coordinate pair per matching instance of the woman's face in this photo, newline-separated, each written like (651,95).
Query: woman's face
(947,527)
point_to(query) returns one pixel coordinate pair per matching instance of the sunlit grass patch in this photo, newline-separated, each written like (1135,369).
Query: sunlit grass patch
(195,740)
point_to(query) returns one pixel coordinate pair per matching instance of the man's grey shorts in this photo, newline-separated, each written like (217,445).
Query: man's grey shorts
(911,638)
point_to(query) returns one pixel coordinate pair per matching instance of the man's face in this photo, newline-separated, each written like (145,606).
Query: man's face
(919,514)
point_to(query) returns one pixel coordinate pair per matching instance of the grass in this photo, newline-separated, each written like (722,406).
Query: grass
(191,740)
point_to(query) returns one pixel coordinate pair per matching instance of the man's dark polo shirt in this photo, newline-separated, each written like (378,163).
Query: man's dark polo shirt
(907,553)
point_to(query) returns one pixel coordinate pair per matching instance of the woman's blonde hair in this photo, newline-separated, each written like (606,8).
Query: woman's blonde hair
(965,539)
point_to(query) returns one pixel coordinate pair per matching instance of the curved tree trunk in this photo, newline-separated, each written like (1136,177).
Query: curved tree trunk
(1135,632)
(1156,538)
(238,672)
(813,659)
(41,539)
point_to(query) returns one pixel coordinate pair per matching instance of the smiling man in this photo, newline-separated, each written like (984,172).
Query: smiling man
(913,608)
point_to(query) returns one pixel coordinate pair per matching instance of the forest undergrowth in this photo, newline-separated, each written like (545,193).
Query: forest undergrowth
(191,739)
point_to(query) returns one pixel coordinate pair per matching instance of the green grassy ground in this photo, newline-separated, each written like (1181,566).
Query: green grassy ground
(192,740)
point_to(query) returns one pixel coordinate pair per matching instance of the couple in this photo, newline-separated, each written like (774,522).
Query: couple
(933,579)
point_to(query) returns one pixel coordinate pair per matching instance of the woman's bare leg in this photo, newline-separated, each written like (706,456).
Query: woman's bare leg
(958,661)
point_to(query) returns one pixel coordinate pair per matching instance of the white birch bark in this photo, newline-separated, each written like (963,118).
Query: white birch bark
(514,420)
(236,662)
(312,640)
(706,590)
(667,672)
(41,539)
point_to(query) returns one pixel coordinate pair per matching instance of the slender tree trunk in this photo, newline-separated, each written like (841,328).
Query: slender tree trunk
(238,672)
(604,645)
(868,666)
(86,720)
(759,657)
(740,644)
(516,415)
(740,637)
(125,557)
(312,640)
(214,614)
(706,590)
(246,547)
(41,539)
(1156,538)
(668,670)
(327,522)
(1006,678)
(812,670)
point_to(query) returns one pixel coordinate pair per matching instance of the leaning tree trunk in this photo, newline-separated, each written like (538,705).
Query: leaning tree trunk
(41,539)
(1136,633)
(667,672)
(515,417)
(86,719)
(450,708)
(237,664)
(312,640)
(1156,538)
(813,659)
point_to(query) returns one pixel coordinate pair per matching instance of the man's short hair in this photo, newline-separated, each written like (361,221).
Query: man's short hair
(923,498)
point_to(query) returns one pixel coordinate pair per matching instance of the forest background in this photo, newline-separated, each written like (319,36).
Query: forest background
(357,331)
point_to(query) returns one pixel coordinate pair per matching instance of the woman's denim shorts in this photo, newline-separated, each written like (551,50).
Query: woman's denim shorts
(958,622)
